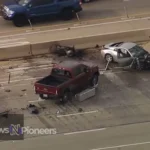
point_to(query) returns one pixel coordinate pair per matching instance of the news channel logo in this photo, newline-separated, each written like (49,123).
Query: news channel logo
(11,127)
(17,130)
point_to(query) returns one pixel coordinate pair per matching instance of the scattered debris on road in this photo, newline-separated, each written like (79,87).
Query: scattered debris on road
(80,110)
(33,109)
(7,90)
(24,90)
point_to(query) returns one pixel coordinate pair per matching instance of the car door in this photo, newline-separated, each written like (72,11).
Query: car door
(85,76)
(42,7)
(124,58)
(80,78)
(62,3)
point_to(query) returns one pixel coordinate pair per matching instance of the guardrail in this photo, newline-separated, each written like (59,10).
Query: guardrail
(25,49)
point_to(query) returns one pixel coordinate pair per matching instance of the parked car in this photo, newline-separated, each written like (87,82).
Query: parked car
(124,53)
(67,79)
(20,11)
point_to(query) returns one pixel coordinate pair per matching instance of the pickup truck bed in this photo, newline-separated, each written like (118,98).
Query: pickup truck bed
(52,81)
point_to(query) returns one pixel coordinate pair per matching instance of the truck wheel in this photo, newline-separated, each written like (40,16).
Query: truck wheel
(19,21)
(66,97)
(94,81)
(67,14)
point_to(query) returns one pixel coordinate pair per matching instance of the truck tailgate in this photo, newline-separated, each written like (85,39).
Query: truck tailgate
(43,89)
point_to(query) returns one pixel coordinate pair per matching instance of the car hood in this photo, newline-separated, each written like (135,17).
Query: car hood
(10,2)
(12,5)
(142,55)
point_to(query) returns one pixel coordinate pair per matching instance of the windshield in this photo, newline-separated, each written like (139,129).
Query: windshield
(136,50)
(23,2)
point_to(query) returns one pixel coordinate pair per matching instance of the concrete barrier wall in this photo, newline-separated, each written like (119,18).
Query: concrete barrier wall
(15,51)
(84,42)
(134,36)
(43,48)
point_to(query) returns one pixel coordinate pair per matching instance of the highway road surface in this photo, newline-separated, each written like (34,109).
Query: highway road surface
(120,111)
(130,137)
(100,10)
(122,97)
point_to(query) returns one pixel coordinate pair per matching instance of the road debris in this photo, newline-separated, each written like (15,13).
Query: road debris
(80,110)
(23,90)
(33,109)
(7,90)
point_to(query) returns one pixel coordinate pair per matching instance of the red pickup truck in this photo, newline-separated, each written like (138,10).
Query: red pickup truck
(67,79)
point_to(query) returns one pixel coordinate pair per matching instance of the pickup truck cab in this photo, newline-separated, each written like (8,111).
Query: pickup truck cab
(20,11)
(67,79)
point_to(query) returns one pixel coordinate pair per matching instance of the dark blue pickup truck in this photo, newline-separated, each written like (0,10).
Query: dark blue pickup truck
(20,11)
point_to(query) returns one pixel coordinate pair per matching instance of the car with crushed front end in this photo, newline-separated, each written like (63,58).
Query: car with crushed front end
(126,54)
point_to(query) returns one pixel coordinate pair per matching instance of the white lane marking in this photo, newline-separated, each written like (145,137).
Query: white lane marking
(13,44)
(4,82)
(8,40)
(33,70)
(85,131)
(111,71)
(83,26)
(75,114)
(93,35)
(121,146)
(24,68)
(39,100)
(16,85)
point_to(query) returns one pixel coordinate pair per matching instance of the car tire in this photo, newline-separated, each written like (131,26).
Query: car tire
(109,58)
(19,21)
(94,80)
(67,14)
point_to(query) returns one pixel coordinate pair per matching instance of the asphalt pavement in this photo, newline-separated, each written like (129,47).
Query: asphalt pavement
(122,97)
(99,10)
(131,137)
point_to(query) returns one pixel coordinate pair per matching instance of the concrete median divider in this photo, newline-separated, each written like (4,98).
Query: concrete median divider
(43,48)
(15,50)
(91,41)
(24,49)
(131,36)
